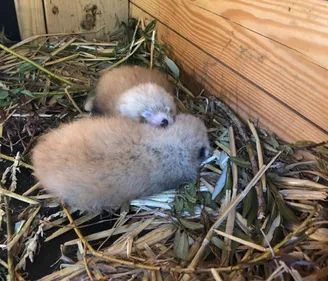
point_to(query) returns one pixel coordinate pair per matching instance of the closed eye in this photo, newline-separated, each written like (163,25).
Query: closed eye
(201,153)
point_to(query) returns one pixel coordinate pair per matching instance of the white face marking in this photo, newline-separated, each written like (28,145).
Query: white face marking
(160,119)
(147,114)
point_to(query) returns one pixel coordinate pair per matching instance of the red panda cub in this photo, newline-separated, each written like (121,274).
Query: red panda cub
(136,92)
(99,163)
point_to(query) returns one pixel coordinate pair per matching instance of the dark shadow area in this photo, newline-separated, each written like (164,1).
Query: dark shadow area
(8,20)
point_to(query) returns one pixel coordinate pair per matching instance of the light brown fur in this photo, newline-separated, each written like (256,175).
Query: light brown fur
(99,163)
(117,82)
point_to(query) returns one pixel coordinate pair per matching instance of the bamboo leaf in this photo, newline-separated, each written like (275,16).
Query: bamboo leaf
(189,208)
(27,93)
(252,213)
(220,183)
(150,26)
(275,224)
(284,210)
(173,67)
(304,144)
(190,198)
(274,142)
(3,95)
(241,162)
(190,224)
(178,204)
(218,242)
(181,246)
(16,91)
(247,204)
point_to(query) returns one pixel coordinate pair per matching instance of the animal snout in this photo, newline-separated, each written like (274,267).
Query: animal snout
(164,123)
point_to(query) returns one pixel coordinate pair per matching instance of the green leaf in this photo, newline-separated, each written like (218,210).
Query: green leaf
(252,214)
(218,242)
(189,208)
(240,161)
(4,103)
(192,190)
(270,201)
(3,94)
(190,224)
(27,93)
(208,201)
(180,245)
(247,204)
(288,149)
(178,204)
(173,67)
(274,142)
(284,210)
(150,26)
(26,67)
(16,91)
(190,198)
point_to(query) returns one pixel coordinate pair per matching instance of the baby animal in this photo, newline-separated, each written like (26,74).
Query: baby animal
(135,92)
(100,162)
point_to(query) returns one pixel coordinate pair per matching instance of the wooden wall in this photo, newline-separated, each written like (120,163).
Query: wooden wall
(267,59)
(95,18)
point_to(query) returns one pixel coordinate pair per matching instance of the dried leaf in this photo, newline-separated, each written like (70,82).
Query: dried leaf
(304,144)
(322,150)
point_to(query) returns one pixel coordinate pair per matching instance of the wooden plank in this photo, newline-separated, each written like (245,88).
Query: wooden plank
(30,18)
(301,25)
(277,70)
(85,16)
(244,97)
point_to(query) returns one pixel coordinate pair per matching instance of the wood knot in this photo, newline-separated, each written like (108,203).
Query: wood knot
(90,18)
(55,10)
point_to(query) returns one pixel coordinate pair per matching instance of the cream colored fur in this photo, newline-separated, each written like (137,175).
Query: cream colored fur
(99,163)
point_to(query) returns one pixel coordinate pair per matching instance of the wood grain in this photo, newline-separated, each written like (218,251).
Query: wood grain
(279,71)
(244,97)
(301,25)
(30,18)
(85,16)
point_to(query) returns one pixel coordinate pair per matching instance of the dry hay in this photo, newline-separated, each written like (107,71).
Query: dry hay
(257,212)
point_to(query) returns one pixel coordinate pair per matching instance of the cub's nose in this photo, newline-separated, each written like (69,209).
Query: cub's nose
(164,123)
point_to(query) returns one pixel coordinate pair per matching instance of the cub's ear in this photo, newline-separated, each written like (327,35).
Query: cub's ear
(147,113)
(123,108)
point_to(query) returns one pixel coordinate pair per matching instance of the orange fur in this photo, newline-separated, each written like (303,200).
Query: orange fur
(102,162)
(126,85)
